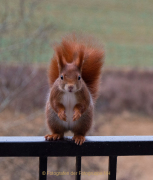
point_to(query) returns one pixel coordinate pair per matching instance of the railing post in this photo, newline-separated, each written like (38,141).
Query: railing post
(78,168)
(42,168)
(112,168)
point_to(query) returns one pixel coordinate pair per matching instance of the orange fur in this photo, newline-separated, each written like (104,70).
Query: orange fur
(81,49)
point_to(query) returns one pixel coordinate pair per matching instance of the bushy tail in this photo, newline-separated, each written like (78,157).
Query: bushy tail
(69,48)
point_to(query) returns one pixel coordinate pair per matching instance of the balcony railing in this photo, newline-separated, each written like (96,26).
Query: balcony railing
(111,146)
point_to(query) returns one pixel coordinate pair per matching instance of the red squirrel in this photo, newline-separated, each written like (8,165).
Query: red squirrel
(74,78)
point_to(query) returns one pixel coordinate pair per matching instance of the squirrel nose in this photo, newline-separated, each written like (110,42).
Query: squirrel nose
(70,88)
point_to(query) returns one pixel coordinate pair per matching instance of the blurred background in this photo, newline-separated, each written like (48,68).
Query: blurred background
(28,28)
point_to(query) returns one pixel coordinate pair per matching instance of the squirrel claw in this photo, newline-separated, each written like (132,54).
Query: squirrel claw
(62,116)
(53,137)
(76,115)
(79,140)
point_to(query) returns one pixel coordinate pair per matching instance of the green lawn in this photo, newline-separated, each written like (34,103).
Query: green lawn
(124,27)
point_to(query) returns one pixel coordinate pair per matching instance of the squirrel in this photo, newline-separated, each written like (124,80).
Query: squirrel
(74,78)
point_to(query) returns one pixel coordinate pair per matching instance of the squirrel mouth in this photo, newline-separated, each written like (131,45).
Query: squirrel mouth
(70,91)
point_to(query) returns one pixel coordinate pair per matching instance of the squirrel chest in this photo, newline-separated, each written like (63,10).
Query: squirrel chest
(69,101)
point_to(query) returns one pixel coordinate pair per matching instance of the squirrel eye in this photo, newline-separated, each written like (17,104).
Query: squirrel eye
(62,77)
(79,77)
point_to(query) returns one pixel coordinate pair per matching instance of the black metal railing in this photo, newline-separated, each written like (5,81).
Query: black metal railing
(111,146)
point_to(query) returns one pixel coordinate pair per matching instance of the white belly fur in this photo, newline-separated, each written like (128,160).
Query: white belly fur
(69,101)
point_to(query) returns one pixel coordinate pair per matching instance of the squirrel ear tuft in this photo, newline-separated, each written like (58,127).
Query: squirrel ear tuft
(79,60)
(60,59)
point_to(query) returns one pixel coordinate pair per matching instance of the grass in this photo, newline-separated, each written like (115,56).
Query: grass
(124,27)
(123,124)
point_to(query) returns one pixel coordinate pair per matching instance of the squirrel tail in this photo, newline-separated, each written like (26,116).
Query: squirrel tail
(72,46)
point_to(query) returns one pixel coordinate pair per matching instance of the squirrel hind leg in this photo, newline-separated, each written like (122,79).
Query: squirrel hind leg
(54,136)
(79,139)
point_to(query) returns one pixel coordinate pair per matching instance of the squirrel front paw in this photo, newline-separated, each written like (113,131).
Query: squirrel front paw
(62,115)
(76,115)
(79,140)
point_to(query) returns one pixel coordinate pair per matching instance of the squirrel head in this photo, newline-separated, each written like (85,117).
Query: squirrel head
(70,73)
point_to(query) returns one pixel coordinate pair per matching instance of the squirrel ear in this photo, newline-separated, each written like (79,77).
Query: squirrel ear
(78,62)
(60,59)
